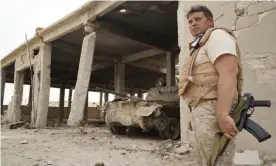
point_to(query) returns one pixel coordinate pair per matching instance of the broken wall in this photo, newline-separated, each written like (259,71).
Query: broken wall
(254,24)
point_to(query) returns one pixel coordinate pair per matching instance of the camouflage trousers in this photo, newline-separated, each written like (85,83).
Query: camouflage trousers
(204,125)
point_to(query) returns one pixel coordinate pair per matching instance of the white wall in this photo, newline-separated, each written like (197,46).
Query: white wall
(254,24)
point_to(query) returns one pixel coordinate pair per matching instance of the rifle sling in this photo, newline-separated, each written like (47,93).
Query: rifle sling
(220,141)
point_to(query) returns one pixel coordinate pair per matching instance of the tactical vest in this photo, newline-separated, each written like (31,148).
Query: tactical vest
(199,83)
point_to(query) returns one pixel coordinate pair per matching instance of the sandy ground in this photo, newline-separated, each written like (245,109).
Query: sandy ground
(85,147)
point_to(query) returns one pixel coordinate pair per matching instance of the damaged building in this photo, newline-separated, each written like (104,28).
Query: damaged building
(126,46)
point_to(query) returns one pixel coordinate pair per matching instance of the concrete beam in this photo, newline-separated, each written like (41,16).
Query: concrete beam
(144,65)
(160,61)
(131,58)
(108,26)
(73,21)
(140,64)
(24,61)
(69,23)
(83,80)
(3,82)
(67,47)
(45,83)
(75,49)
(140,55)
(15,114)
(104,65)
(34,43)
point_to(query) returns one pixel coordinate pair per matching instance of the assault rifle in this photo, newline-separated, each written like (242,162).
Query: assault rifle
(257,131)
(241,115)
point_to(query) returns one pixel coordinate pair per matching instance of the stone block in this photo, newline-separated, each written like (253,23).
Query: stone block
(246,22)
(255,61)
(261,7)
(259,38)
(266,76)
(249,158)
(271,61)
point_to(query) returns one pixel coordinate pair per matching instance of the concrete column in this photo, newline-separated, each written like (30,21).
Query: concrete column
(36,89)
(101,99)
(119,78)
(85,67)
(105,97)
(3,82)
(85,115)
(61,100)
(132,93)
(132,90)
(30,97)
(170,76)
(45,83)
(182,42)
(69,101)
(15,114)
(140,94)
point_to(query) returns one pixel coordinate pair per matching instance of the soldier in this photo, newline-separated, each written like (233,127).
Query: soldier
(209,83)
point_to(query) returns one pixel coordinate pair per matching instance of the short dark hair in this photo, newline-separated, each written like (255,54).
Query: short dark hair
(200,8)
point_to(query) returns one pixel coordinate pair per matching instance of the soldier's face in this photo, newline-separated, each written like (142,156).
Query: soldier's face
(198,23)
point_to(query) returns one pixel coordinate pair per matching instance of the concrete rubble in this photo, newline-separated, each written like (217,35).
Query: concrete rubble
(96,145)
(247,158)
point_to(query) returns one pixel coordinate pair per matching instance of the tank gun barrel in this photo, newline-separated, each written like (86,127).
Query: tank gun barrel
(116,93)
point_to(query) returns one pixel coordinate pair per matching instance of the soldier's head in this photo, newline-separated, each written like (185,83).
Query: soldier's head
(199,19)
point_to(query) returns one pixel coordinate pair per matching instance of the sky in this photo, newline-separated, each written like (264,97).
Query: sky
(20,17)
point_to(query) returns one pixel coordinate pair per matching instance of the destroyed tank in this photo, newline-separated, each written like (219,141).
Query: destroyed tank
(158,112)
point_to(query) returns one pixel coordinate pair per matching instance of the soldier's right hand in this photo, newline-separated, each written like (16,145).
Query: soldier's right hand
(227,126)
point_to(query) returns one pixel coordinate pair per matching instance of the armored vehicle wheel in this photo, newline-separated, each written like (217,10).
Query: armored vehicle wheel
(172,130)
(117,129)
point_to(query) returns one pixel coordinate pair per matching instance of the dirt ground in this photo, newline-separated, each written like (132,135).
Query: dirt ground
(85,146)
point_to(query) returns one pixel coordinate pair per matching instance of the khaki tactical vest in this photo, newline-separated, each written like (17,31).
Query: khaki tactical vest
(199,83)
